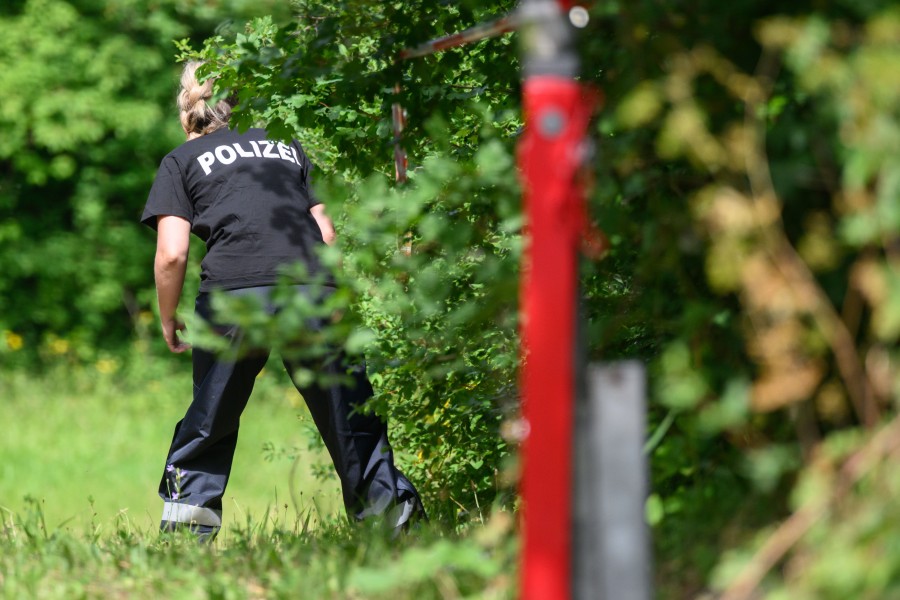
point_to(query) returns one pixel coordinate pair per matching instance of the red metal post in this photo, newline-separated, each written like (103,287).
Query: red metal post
(557,112)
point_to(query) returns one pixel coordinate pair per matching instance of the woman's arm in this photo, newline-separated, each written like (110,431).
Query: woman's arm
(172,246)
(324,222)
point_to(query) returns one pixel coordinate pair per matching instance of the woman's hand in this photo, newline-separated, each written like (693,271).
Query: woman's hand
(324,223)
(170,330)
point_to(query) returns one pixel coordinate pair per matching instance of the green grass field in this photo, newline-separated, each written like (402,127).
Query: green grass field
(91,448)
(81,454)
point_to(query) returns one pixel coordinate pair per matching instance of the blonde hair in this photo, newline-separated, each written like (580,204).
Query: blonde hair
(197,116)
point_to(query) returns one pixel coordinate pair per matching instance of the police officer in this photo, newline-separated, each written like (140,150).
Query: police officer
(248,198)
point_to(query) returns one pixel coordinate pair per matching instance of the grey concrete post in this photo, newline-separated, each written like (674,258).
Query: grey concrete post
(612,550)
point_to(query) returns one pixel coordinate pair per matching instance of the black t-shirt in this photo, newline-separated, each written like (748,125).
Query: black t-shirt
(248,198)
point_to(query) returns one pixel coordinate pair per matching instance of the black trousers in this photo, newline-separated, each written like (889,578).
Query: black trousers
(200,457)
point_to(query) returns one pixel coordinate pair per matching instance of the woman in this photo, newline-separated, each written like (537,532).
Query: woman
(249,199)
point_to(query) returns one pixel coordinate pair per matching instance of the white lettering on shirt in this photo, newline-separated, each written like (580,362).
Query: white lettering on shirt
(206,160)
(285,152)
(268,149)
(229,153)
(220,154)
(241,151)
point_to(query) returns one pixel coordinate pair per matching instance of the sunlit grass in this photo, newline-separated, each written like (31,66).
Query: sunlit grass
(80,457)
(90,447)
(273,556)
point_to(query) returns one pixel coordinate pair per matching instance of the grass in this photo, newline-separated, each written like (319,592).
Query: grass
(258,560)
(91,447)
(80,459)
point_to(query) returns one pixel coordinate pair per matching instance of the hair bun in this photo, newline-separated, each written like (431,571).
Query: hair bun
(198,93)
(197,117)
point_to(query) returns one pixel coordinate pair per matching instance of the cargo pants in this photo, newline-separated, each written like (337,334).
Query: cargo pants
(199,459)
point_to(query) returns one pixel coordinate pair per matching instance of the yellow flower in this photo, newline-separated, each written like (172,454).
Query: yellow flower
(59,346)
(107,366)
(13,340)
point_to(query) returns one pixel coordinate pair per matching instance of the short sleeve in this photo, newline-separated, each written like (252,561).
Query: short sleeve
(168,195)
(307,174)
